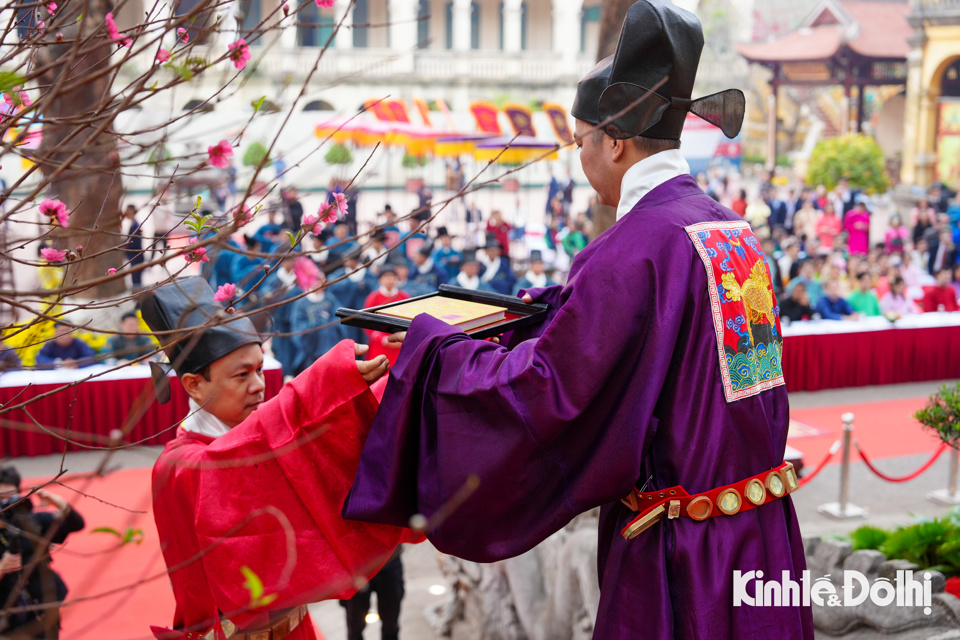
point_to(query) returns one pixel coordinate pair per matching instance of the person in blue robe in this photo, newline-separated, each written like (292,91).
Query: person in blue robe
(351,286)
(426,272)
(405,283)
(536,276)
(445,256)
(469,274)
(497,272)
(340,244)
(315,327)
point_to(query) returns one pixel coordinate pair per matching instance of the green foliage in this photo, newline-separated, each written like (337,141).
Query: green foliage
(868,537)
(942,414)
(254,585)
(256,155)
(413,162)
(930,543)
(9,80)
(129,535)
(256,104)
(856,157)
(338,154)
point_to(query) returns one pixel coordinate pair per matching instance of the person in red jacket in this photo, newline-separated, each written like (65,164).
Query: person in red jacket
(247,497)
(388,292)
(942,297)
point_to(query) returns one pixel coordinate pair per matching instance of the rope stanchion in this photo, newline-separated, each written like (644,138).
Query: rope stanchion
(843,509)
(833,451)
(911,476)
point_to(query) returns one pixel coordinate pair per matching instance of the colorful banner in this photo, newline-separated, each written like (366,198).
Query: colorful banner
(380,109)
(485,114)
(399,110)
(521,119)
(424,110)
(558,119)
(948,144)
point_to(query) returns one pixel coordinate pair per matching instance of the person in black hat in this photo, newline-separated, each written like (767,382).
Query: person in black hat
(653,389)
(427,273)
(247,482)
(497,273)
(469,275)
(445,256)
(536,276)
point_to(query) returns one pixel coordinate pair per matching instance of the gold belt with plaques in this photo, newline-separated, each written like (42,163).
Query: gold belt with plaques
(723,501)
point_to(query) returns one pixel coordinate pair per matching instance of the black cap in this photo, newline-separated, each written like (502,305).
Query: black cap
(469,255)
(492,241)
(442,231)
(536,256)
(426,250)
(187,306)
(387,268)
(645,87)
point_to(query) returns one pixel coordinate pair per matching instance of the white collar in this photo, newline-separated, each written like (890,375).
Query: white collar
(316,296)
(467,282)
(288,278)
(358,275)
(426,267)
(389,293)
(648,174)
(203,422)
(538,281)
(493,268)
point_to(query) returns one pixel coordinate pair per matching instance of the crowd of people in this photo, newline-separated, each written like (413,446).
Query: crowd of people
(823,264)
(399,259)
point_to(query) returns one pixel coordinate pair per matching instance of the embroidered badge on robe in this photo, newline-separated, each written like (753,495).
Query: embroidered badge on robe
(745,311)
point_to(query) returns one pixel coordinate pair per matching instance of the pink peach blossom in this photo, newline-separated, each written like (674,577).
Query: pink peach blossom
(196,255)
(182,35)
(51,7)
(225,292)
(163,55)
(56,209)
(324,4)
(242,215)
(328,212)
(309,221)
(341,201)
(111,271)
(239,53)
(219,154)
(53,255)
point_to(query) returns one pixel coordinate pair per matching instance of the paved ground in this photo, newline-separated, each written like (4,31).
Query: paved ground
(888,505)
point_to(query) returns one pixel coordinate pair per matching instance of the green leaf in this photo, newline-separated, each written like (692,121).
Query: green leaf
(199,202)
(130,535)
(256,104)
(9,80)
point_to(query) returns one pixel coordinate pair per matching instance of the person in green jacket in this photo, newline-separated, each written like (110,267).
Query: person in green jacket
(863,300)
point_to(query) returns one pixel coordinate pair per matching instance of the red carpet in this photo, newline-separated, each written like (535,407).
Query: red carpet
(883,429)
(117,592)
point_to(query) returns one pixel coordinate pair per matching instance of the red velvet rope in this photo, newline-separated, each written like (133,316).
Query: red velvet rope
(833,451)
(913,475)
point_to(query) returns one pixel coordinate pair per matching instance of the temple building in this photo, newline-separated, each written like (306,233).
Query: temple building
(932,124)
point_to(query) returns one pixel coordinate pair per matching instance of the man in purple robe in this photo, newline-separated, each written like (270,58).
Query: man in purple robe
(658,366)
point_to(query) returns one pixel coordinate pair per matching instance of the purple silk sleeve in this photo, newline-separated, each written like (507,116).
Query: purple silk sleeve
(525,423)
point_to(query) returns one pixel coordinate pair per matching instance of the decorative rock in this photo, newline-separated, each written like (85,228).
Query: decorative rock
(866,561)
(810,544)
(830,554)
(889,568)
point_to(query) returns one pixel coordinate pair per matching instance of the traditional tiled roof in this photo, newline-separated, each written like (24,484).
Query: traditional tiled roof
(870,29)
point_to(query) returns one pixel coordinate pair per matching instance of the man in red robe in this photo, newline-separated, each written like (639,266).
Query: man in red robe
(247,497)
(388,292)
